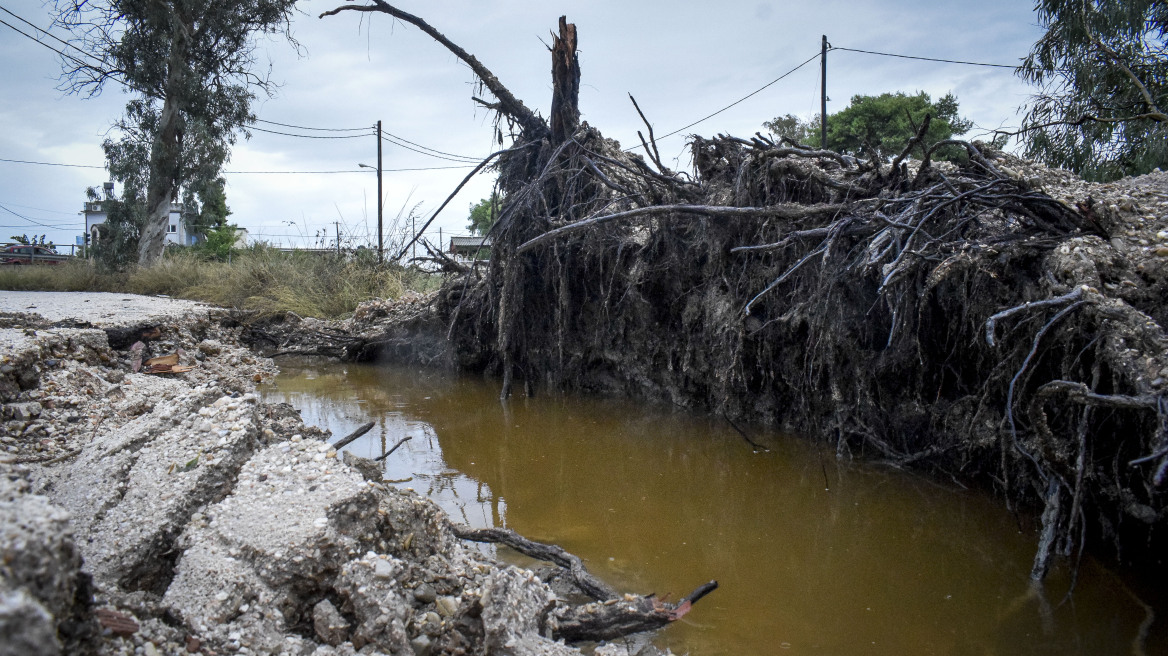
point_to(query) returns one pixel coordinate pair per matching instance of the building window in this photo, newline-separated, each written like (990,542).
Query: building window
(173,228)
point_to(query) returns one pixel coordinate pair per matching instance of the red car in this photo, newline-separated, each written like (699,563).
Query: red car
(29,254)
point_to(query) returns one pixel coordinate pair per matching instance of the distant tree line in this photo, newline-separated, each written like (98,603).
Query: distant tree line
(1101,72)
(880,126)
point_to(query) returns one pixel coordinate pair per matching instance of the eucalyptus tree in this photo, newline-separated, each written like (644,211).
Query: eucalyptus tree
(193,66)
(1102,72)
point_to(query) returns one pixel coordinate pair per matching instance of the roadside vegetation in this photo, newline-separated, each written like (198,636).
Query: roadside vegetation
(259,278)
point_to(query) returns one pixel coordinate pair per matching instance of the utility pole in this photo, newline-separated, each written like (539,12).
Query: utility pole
(823,94)
(380,202)
(414,229)
(338,225)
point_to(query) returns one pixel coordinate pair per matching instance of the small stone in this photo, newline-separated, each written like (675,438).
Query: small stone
(425,593)
(447,606)
(382,569)
(25,411)
(329,624)
(421,645)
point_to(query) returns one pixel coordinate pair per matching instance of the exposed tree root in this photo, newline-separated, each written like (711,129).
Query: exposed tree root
(903,309)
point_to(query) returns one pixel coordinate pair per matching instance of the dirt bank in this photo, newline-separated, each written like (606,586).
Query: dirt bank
(173,513)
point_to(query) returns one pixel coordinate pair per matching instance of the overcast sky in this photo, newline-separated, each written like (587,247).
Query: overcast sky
(681,59)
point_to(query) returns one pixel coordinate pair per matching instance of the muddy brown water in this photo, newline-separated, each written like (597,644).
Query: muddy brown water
(813,555)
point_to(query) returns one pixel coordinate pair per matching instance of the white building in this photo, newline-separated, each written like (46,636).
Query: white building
(95,216)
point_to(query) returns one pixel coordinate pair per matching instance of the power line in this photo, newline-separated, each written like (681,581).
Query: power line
(41,209)
(38,41)
(932,59)
(467,157)
(424,168)
(43,225)
(309,136)
(749,95)
(75,166)
(302,127)
(48,33)
(456,158)
(400,170)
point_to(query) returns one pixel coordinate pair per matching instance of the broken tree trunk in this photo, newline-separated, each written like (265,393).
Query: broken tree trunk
(565,116)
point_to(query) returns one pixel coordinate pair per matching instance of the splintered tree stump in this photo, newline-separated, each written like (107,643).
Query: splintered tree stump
(565,116)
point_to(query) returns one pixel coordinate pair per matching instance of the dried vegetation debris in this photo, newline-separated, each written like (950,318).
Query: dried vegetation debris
(177,514)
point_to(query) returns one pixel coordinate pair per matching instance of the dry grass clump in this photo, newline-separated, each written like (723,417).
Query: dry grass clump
(261,279)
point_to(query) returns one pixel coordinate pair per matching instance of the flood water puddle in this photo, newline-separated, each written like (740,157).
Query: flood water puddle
(812,555)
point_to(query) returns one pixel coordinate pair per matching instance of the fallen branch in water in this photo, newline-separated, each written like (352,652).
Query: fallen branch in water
(612,617)
(348,439)
(618,618)
(389,453)
(587,583)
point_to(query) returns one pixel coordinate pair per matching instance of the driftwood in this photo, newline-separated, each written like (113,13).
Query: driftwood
(389,453)
(351,437)
(613,615)
(621,617)
(587,583)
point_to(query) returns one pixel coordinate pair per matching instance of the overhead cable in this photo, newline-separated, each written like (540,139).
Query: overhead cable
(75,166)
(743,98)
(456,158)
(36,40)
(26,218)
(48,34)
(932,59)
(310,136)
(303,127)
(467,157)
(396,170)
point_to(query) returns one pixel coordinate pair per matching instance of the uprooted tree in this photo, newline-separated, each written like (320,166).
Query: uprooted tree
(951,317)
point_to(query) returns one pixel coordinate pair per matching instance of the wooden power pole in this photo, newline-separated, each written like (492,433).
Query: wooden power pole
(823,93)
(380,201)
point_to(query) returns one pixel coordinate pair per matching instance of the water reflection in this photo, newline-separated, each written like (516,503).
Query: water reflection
(812,556)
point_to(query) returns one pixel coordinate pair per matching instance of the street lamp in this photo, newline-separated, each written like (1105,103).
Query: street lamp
(380,244)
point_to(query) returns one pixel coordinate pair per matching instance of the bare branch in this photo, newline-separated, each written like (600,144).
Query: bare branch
(509,104)
(785,211)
